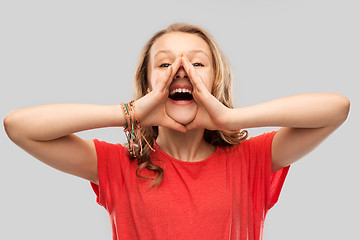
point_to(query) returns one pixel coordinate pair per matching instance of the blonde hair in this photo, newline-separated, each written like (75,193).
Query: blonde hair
(221,90)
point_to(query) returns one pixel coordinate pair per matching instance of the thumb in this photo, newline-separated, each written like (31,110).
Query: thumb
(170,123)
(190,126)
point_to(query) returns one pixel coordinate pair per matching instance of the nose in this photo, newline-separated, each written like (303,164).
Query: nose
(181,73)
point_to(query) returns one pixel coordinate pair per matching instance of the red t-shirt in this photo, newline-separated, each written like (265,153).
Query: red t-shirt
(225,196)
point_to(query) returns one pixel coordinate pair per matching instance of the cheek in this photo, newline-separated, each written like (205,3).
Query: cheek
(151,81)
(208,79)
(151,73)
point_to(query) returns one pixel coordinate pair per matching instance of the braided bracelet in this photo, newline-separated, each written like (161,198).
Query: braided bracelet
(132,128)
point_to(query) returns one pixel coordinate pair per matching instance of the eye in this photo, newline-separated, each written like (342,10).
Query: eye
(198,65)
(165,65)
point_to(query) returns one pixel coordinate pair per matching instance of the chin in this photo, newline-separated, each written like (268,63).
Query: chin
(183,114)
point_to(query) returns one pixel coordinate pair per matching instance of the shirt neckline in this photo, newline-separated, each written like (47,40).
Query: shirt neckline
(159,151)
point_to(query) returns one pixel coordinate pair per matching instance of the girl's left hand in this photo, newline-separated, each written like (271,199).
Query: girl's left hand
(211,113)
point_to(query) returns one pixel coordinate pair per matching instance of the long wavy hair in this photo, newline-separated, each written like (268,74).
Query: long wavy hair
(221,90)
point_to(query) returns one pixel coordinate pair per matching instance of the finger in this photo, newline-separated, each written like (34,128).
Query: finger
(174,68)
(170,72)
(162,83)
(194,77)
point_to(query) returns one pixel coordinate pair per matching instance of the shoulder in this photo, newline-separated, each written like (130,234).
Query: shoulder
(264,137)
(106,149)
(253,144)
(107,145)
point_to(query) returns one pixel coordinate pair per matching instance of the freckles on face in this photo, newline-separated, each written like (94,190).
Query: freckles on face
(168,47)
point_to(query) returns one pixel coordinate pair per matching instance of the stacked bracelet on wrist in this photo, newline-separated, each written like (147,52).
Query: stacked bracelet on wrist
(132,128)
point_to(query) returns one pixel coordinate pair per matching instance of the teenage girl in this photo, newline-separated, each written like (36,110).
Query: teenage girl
(188,171)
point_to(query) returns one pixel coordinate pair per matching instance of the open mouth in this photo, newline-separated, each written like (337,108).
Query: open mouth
(181,94)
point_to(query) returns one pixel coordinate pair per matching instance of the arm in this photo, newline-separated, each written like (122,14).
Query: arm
(46,132)
(306,121)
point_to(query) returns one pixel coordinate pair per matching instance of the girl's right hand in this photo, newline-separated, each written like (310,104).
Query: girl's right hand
(150,109)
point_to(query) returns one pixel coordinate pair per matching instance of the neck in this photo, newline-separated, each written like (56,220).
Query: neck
(189,146)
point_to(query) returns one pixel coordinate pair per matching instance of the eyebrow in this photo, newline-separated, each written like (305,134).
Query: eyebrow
(191,52)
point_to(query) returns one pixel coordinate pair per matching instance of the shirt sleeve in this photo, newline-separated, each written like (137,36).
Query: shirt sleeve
(109,168)
(269,184)
(275,182)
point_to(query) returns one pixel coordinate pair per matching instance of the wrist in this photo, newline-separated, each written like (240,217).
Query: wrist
(233,121)
(119,116)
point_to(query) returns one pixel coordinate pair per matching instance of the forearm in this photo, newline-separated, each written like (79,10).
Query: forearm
(47,122)
(298,111)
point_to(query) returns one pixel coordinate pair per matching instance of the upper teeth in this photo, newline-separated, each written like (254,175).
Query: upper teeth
(180,90)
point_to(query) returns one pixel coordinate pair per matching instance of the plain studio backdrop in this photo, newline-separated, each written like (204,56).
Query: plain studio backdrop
(86,52)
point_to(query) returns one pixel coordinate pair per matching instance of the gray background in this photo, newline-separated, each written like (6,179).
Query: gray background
(86,52)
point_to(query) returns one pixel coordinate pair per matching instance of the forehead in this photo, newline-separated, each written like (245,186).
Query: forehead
(176,42)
